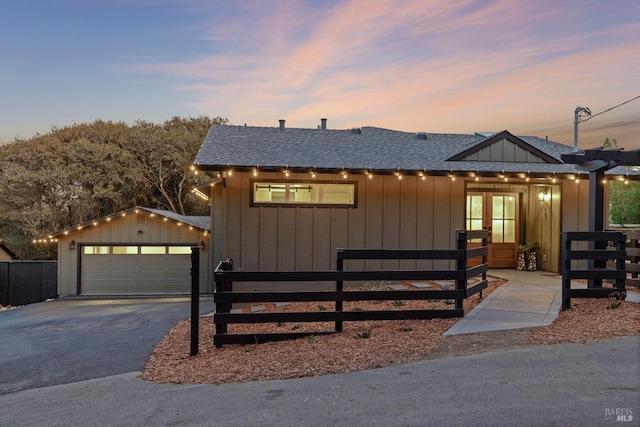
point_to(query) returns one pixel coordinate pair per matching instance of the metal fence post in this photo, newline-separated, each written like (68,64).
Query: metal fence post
(621,265)
(195,299)
(339,287)
(565,265)
(461,267)
(221,286)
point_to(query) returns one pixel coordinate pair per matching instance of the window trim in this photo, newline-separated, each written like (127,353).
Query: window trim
(253,203)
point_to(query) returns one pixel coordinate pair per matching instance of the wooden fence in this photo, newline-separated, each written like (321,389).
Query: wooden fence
(27,282)
(225,277)
(632,266)
(598,254)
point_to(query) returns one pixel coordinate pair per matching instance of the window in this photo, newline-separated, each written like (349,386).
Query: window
(322,193)
(153,250)
(96,250)
(125,250)
(504,219)
(179,250)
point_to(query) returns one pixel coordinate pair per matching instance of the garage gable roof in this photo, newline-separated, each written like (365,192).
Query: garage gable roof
(201,223)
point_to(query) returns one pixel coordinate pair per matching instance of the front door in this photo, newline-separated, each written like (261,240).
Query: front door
(498,213)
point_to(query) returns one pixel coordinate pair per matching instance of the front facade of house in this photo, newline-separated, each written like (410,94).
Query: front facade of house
(286,199)
(138,251)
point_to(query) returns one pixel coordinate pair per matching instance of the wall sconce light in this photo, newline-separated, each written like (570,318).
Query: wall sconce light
(72,245)
(544,195)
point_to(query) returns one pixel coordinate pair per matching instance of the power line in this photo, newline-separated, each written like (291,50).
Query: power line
(609,109)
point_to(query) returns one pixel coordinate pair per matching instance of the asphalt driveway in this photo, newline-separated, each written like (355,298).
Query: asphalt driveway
(74,339)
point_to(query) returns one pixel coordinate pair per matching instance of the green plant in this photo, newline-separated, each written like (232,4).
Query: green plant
(322,307)
(363,334)
(615,299)
(406,326)
(533,247)
(522,249)
(449,301)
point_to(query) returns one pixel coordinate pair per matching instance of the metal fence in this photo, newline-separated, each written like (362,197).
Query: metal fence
(27,282)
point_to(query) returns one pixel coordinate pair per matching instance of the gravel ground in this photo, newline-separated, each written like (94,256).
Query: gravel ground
(388,343)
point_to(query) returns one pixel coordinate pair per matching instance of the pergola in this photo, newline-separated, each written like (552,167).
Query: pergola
(597,161)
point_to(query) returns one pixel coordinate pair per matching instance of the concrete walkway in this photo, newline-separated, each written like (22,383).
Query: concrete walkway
(528,299)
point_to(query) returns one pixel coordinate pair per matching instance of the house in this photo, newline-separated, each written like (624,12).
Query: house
(286,198)
(137,251)
(6,253)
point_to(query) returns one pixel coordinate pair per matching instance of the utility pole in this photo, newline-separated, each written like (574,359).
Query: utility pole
(579,113)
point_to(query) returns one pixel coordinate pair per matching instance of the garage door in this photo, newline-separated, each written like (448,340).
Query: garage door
(135,269)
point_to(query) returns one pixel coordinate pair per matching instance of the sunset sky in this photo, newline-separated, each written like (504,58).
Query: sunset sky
(443,66)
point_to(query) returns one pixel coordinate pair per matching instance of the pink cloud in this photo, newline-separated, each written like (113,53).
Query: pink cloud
(444,66)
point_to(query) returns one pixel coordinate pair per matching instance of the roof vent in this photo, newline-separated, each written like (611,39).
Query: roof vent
(356,131)
(281,124)
(323,124)
(421,135)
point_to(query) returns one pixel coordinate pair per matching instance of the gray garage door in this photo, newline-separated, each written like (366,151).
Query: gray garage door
(135,269)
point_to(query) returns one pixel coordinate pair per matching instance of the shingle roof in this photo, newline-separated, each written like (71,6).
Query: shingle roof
(372,148)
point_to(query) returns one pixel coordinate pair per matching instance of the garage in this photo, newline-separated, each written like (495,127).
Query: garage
(135,269)
(139,251)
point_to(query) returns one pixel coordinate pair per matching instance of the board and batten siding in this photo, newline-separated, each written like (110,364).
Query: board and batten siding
(124,230)
(391,213)
(575,211)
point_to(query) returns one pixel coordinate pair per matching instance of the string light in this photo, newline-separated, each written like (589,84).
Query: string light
(50,238)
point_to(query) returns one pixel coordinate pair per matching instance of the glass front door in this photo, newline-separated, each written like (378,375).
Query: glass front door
(498,213)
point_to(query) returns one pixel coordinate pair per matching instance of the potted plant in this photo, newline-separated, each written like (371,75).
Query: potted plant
(522,258)
(532,257)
